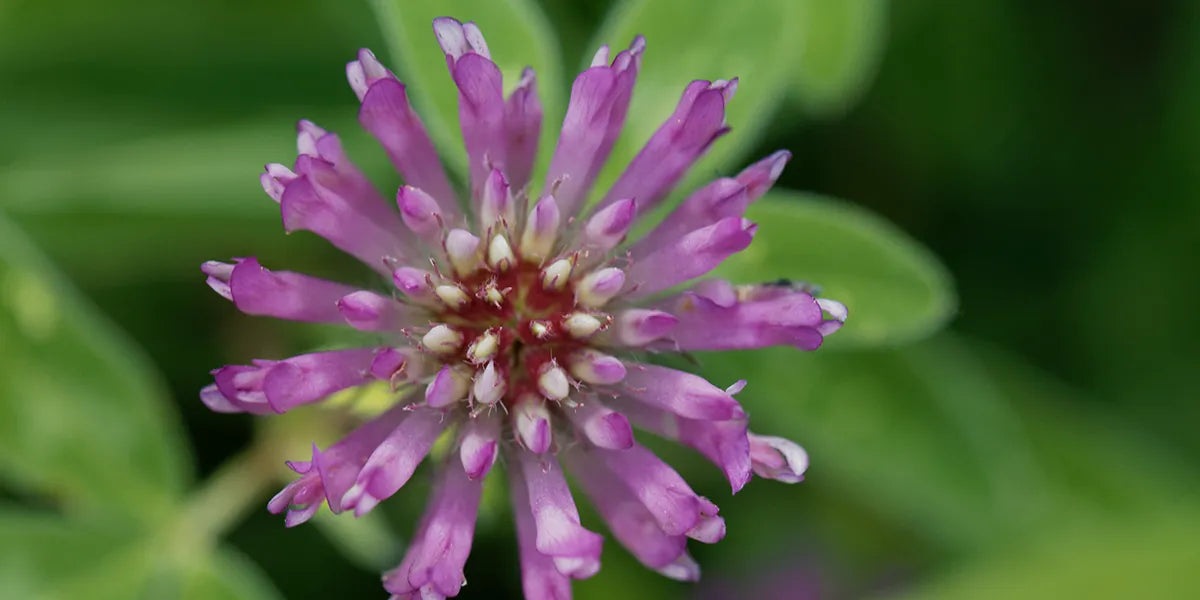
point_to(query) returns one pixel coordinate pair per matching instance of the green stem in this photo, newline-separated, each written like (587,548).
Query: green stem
(229,493)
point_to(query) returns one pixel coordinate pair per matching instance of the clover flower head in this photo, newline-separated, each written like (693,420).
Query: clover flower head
(515,319)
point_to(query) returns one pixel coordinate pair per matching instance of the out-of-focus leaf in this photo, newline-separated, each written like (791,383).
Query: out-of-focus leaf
(225,575)
(1149,557)
(46,557)
(518,35)
(755,42)
(896,290)
(962,446)
(367,541)
(1094,459)
(83,417)
(213,172)
(876,422)
(40,549)
(842,44)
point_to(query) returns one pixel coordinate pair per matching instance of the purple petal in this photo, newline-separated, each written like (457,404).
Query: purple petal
(639,326)
(601,425)
(608,227)
(340,465)
(724,443)
(283,294)
(333,172)
(690,256)
(479,444)
(301,498)
(306,206)
(283,385)
(422,214)
(629,520)
(599,101)
(778,458)
(531,419)
(522,125)
(481,108)
(393,462)
(723,198)
(438,552)
(387,115)
(496,201)
(398,365)
(575,550)
(672,503)
(679,393)
(540,580)
(368,311)
(761,316)
(698,120)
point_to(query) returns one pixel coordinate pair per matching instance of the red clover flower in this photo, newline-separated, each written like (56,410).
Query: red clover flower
(514,324)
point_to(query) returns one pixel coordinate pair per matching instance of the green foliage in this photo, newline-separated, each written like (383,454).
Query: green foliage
(86,427)
(755,42)
(897,290)
(841,46)
(65,372)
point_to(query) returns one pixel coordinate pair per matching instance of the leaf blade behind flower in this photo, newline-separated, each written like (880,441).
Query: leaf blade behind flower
(897,291)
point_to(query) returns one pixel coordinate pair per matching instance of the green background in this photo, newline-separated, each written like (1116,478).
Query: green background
(1010,411)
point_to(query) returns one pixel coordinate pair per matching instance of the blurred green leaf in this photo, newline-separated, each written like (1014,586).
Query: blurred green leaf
(842,44)
(41,549)
(1148,557)
(965,446)
(368,541)
(83,417)
(194,172)
(225,575)
(518,35)
(876,422)
(896,290)
(755,42)
(47,557)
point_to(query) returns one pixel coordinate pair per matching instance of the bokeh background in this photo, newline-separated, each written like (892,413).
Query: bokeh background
(1011,411)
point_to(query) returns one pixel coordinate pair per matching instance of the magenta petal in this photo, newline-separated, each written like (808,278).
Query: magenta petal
(283,294)
(675,507)
(340,464)
(311,377)
(522,125)
(575,550)
(698,120)
(279,386)
(760,316)
(300,498)
(387,115)
(368,311)
(481,108)
(724,443)
(332,172)
(397,365)
(680,393)
(689,256)
(601,425)
(433,565)
(778,458)
(540,580)
(629,520)
(393,462)
(599,102)
(305,206)
(479,444)
(639,326)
